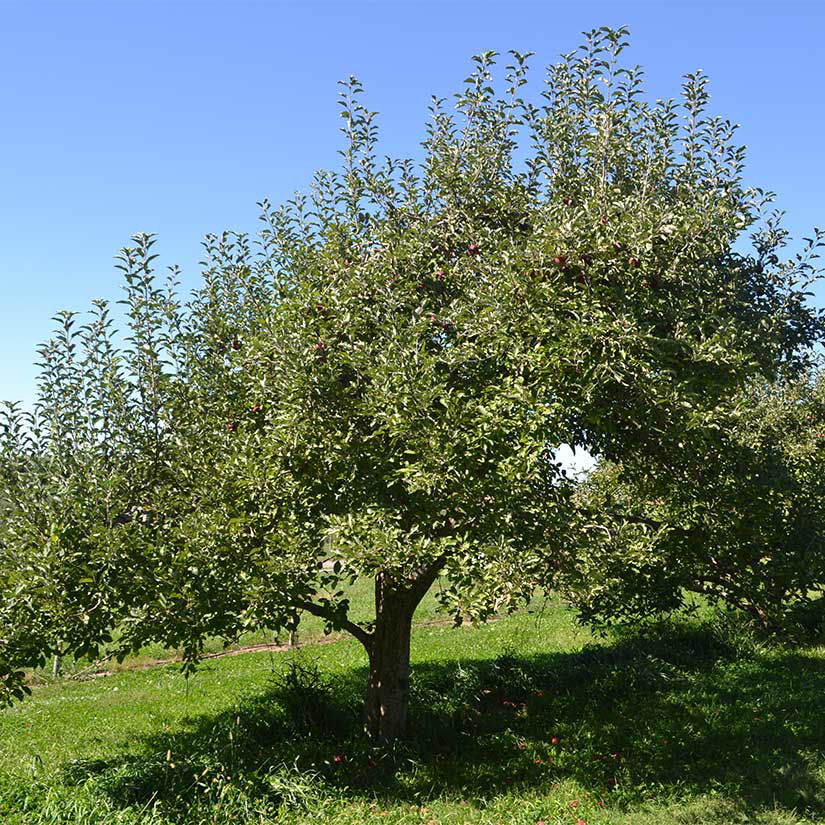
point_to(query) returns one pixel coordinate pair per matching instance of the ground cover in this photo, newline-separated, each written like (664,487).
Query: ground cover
(528,719)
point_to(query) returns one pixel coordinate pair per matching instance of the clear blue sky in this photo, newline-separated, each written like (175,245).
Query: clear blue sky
(176,118)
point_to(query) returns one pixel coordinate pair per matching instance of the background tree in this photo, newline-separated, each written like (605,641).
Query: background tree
(741,522)
(378,388)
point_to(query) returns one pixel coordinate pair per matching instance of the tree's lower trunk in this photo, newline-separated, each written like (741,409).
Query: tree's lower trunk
(388,686)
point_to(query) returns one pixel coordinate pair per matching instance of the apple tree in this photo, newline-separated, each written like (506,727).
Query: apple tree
(741,522)
(377,388)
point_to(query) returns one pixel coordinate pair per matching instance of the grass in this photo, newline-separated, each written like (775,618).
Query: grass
(527,719)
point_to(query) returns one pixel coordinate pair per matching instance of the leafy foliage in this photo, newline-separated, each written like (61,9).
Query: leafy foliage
(741,521)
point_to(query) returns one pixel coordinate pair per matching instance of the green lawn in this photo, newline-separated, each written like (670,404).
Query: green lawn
(527,719)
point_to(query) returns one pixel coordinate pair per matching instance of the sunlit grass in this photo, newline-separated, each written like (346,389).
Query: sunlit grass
(524,720)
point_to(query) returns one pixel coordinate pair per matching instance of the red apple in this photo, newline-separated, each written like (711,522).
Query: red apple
(635,262)
(473,249)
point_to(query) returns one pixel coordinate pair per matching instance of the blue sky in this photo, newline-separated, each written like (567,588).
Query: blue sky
(177,118)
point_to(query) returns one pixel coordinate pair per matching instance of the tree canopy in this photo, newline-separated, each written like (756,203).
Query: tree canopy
(375,386)
(741,522)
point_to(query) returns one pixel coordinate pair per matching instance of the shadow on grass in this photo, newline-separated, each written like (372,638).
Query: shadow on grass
(672,714)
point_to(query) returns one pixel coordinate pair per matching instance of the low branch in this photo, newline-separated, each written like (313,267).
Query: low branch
(356,630)
(718,589)
(629,518)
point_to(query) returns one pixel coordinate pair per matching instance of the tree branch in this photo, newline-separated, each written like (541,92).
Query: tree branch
(628,518)
(356,630)
(715,587)
(426,575)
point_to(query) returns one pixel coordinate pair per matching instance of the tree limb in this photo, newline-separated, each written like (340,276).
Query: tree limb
(426,575)
(356,630)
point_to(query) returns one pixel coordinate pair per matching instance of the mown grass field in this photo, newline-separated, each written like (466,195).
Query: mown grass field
(526,720)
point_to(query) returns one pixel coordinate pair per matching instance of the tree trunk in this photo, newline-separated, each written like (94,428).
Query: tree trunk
(388,686)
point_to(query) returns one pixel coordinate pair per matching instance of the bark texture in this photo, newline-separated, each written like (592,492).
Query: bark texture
(388,648)
(388,685)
